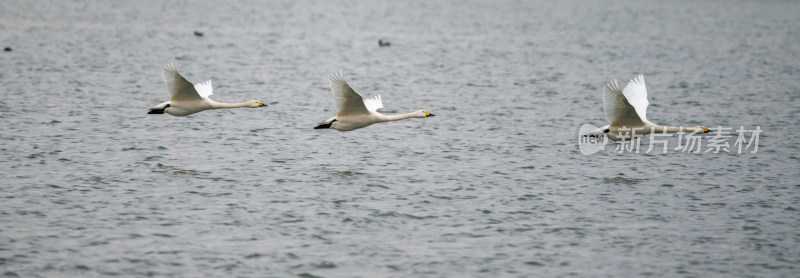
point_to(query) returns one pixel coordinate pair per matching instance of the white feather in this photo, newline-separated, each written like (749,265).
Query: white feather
(177,86)
(374,103)
(636,93)
(204,89)
(618,110)
(348,102)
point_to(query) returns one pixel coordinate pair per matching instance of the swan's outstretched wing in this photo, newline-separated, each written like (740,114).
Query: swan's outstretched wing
(348,102)
(636,93)
(177,86)
(374,103)
(618,110)
(204,88)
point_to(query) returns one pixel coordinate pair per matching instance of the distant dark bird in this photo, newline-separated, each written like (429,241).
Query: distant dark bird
(383,43)
(198,33)
(7,49)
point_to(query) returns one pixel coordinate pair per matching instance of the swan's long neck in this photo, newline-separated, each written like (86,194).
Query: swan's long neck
(221,105)
(389,118)
(676,129)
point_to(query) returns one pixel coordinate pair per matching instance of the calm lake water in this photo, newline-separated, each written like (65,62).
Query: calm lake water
(494,185)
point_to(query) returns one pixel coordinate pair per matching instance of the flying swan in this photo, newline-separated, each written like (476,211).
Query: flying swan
(626,111)
(355,112)
(186,99)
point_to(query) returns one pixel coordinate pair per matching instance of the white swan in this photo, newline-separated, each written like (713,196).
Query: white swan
(626,111)
(186,99)
(355,112)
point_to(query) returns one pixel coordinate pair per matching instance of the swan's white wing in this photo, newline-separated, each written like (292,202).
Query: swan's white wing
(618,110)
(374,103)
(348,102)
(636,93)
(204,88)
(177,86)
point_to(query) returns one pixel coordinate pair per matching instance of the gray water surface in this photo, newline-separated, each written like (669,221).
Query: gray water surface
(494,185)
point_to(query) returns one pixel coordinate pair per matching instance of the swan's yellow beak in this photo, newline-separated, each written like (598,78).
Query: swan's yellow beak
(705,130)
(428,114)
(260,104)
